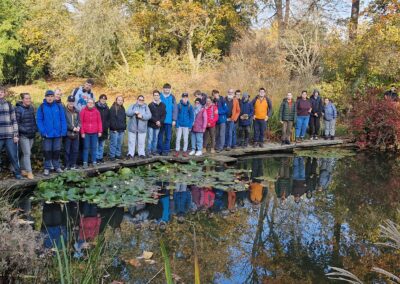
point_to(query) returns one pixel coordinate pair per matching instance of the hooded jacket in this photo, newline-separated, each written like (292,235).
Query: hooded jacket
(316,105)
(212,115)
(135,124)
(90,121)
(72,118)
(51,120)
(222,110)
(170,108)
(26,120)
(185,116)
(246,107)
(200,121)
(287,112)
(117,118)
(330,112)
(105,118)
(158,113)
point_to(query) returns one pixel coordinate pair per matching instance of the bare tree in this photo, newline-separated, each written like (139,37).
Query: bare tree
(355,11)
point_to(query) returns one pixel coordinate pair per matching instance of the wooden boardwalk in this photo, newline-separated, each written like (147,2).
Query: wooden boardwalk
(13,185)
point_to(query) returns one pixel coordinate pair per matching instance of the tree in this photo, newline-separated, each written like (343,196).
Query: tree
(355,10)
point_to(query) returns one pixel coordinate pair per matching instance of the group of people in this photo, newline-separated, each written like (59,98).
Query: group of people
(214,123)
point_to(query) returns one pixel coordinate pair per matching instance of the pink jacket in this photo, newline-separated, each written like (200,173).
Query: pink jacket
(212,115)
(200,122)
(90,121)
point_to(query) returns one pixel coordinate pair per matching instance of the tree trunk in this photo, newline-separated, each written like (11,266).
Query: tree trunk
(279,16)
(355,11)
(287,12)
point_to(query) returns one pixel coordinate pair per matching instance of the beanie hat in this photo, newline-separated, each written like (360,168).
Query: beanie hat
(49,93)
(197,100)
(71,99)
(245,96)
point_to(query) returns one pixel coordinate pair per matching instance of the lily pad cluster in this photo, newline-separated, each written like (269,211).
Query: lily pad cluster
(128,187)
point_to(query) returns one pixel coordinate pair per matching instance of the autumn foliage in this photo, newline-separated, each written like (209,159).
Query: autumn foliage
(375,122)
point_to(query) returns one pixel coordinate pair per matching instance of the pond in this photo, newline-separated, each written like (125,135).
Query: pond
(299,216)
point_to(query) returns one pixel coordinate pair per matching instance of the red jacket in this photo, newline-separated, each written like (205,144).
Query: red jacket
(89,227)
(212,115)
(90,121)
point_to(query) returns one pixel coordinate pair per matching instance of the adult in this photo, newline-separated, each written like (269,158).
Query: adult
(158,113)
(139,114)
(299,185)
(58,94)
(209,134)
(238,95)
(25,115)
(330,115)
(91,130)
(82,94)
(220,129)
(315,115)
(233,112)
(303,111)
(117,128)
(262,112)
(245,118)
(287,117)
(104,110)
(201,96)
(392,94)
(184,123)
(52,126)
(9,132)
(165,134)
(198,129)
(71,145)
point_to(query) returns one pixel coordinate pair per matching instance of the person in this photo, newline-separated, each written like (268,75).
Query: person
(245,118)
(52,126)
(330,115)
(9,132)
(184,123)
(91,130)
(212,118)
(238,95)
(82,94)
(200,95)
(233,112)
(104,110)
(165,134)
(58,94)
(220,129)
(117,128)
(158,113)
(287,117)
(284,180)
(72,139)
(299,184)
(139,114)
(198,128)
(27,128)
(392,94)
(303,111)
(262,112)
(315,115)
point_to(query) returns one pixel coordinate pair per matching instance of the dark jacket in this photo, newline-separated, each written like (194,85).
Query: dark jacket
(316,105)
(303,107)
(26,120)
(117,118)
(73,119)
(105,119)
(286,112)
(246,107)
(158,113)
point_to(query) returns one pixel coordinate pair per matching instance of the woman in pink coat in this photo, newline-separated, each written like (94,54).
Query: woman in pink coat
(198,129)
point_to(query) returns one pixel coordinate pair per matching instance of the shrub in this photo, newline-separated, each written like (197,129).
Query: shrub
(374,123)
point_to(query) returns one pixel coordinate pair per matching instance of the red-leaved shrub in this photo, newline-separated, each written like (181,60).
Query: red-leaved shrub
(375,122)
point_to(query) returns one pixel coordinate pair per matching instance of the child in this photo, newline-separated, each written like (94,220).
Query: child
(184,122)
(198,129)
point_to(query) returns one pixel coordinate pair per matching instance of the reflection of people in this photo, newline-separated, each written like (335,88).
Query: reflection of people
(208,197)
(283,184)
(256,191)
(182,198)
(311,175)
(161,211)
(220,200)
(299,179)
(326,170)
(111,217)
(89,224)
(231,200)
(54,225)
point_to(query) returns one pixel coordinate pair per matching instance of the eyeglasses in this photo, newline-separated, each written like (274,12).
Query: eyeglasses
(141,100)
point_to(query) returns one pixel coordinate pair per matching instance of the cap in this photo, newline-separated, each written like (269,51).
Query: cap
(49,93)
(71,99)
(103,96)
(185,95)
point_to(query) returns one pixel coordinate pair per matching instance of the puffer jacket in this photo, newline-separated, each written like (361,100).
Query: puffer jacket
(316,105)
(212,115)
(105,118)
(157,114)
(117,118)
(330,112)
(138,125)
(287,112)
(26,120)
(222,110)
(185,116)
(200,121)
(246,107)
(51,120)
(90,121)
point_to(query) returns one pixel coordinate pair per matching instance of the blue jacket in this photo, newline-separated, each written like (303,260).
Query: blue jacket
(185,115)
(51,120)
(222,110)
(330,112)
(170,108)
(246,108)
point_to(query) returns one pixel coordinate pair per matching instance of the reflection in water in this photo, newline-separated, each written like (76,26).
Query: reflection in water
(299,216)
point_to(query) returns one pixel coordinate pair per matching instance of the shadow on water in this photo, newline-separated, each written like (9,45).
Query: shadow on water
(299,216)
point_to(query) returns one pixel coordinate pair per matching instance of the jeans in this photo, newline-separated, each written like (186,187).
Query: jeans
(26,147)
(259,129)
(230,131)
(244,133)
(179,132)
(152,138)
(314,125)
(209,138)
(116,141)
(164,139)
(301,126)
(234,135)
(330,127)
(220,130)
(141,144)
(287,130)
(299,172)
(12,152)
(100,149)
(90,143)
(71,151)
(52,149)
(197,141)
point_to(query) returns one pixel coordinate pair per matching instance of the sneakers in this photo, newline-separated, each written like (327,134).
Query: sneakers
(198,154)
(100,161)
(204,150)
(30,176)
(18,176)
(192,153)
(94,164)
(185,154)
(112,159)
(24,173)
(46,172)
(59,171)
(85,165)
(176,155)
(332,137)
(212,151)
(261,144)
(227,148)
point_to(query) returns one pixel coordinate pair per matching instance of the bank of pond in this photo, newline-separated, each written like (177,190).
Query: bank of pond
(283,219)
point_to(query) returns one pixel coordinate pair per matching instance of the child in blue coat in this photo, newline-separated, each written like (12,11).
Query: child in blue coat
(184,122)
